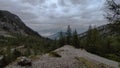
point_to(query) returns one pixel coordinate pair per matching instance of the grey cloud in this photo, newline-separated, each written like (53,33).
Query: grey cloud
(62,3)
(76,1)
(33,2)
(54,5)
(50,18)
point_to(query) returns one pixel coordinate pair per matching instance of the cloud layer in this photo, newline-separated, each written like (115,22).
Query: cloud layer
(50,16)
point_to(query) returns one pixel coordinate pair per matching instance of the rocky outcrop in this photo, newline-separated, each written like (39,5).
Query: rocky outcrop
(70,58)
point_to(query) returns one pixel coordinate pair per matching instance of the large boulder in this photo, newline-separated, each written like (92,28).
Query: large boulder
(24,62)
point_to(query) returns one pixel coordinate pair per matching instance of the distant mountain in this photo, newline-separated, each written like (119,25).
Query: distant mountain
(56,35)
(11,23)
(104,30)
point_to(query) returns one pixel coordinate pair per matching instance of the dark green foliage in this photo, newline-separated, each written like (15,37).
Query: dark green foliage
(69,39)
(10,47)
(108,46)
(3,62)
(69,35)
(27,52)
(9,56)
(113,57)
(61,39)
(112,43)
(16,53)
(115,28)
(93,40)
(75,40)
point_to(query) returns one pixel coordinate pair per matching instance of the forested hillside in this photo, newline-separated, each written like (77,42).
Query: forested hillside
(16,39)
(103,40)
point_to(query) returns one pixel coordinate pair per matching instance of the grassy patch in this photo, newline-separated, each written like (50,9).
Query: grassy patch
(54,54)
(89,64)
(34,57)
(119,64)
(86,63)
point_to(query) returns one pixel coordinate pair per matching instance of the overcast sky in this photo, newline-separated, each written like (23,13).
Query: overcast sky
(50,16)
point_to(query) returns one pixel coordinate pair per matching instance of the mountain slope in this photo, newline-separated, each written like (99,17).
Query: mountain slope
(104,31)
(16,39)
(70,58)
(11,23)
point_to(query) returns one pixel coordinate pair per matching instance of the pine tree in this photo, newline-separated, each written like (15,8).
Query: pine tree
(16,53)
(69,35)
(61,39)
(93,40)
(75,40)
(89,38)
(113,11)
(113,15)
(28,52)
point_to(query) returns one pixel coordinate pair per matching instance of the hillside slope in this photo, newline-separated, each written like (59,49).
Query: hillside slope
(70,58)
(16,39)
(11,23)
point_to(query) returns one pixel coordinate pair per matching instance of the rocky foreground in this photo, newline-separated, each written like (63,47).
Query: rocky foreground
(69,57)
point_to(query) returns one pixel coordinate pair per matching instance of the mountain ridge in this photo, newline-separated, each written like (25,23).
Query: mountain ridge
(104,30)
(11,23)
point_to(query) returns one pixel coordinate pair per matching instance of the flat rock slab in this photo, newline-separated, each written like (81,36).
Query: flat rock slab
(70,58)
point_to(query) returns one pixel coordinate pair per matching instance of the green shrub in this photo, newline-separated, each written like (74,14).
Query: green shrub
(113,57)
(119,64)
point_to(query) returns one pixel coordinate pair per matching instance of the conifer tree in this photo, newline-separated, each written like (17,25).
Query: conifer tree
(69,35)
(16,53)
(89,38)
(75,40)
(61,39)
(113,15)
(93,40)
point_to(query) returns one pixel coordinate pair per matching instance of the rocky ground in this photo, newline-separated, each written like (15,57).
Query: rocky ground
(70,58)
